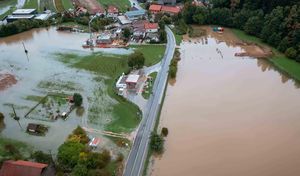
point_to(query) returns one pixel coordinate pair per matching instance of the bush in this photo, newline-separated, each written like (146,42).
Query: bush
(77,99)
(291,53)
(79,135)
(164,131)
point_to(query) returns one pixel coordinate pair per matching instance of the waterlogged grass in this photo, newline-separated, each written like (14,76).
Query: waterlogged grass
(125,114)
(153,53)
(34,98)
(123,5)
(285,64)
(148,91)
(59,85)
(10,149)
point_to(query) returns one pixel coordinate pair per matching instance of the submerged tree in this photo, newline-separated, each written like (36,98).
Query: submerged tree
(77,99)
(136,60)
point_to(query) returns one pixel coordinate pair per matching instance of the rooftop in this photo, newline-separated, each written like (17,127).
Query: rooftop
(23,11)
(155,7)
(20,16)
(170,9)
(112,9)
(18,168)
(123,20)
(135,13)
(151,26)
(132,78)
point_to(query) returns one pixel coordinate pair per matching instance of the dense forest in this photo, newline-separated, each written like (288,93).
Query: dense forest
(276,22)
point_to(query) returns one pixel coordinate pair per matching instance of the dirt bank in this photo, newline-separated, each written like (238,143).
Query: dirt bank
(249,49)
(7,80)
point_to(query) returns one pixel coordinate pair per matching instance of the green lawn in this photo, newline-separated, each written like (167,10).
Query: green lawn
(178,38)
(67,4)
(153,53)
(285,64)
(31,4)
(123,5)
(146,93)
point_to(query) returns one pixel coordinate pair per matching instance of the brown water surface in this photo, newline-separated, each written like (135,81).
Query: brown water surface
(229,116)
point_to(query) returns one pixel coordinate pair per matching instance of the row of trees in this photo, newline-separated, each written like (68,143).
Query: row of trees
(275,22)
(21,26)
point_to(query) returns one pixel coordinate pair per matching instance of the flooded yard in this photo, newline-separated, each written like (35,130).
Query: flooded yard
(228,115)
(46,71)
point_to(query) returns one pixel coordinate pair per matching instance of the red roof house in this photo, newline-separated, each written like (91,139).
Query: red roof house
(151,27)
(154,8)
(22,168)
(170,9)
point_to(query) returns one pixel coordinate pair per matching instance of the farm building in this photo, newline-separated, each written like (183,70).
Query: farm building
(135,15)
(132,81)
(20,167)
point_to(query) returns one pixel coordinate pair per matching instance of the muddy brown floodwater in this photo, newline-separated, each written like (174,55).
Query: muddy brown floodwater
(229,116)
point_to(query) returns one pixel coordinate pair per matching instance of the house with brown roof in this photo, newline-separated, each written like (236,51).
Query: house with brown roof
(24,168)
(112,11)
(151,27)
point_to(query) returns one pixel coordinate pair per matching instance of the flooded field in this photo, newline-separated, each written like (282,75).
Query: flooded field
(229,116)
(42,72)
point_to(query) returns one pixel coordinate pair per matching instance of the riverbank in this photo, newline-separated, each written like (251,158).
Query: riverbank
(289,66)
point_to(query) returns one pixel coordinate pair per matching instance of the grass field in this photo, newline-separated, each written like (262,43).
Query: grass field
(178,38)
(67,4)
(123,5)
(285,64)
(146,94)
(31,4)
(153,53)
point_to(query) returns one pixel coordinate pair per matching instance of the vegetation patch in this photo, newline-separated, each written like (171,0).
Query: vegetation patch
(59,85)
(149,85)
(67,4)
(174,64)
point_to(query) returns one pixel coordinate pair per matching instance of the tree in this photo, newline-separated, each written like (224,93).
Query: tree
(157,143)
(68,154)
(126,33)
(254,25)
(79,135)
(136,60)
(162,36)
(164,131)
(77,99)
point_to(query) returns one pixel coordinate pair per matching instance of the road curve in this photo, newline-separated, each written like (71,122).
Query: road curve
(138,154)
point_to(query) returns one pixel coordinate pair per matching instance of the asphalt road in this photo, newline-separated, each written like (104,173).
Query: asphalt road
(138,154)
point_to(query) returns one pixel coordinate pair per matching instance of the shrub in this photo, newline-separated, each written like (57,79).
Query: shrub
(77,99)
(164,131)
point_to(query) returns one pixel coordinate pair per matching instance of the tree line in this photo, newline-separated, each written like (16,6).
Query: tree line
(276,22)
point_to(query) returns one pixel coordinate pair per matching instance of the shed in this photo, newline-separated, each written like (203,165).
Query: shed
(32,127)
(134,15)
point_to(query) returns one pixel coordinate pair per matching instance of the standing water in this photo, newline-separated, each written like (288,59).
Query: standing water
(229,116)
